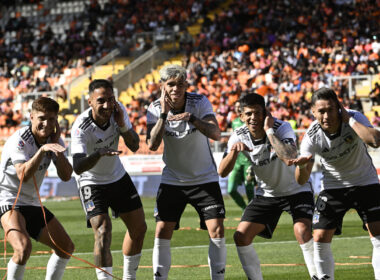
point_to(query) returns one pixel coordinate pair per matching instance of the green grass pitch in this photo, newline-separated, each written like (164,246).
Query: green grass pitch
(281,257)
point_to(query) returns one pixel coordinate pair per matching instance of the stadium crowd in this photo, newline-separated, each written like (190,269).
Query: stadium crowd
(35,59)
(270,48)
(281,53)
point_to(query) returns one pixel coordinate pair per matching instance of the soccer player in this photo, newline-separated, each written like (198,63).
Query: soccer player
(27,154)
(238,174)
(103,182)
(349,176)
(185,121)
(270,144)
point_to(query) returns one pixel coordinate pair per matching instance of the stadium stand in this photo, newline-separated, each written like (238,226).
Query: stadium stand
(241,46)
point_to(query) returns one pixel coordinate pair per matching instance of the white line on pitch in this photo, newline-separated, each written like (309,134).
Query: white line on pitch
(206,246)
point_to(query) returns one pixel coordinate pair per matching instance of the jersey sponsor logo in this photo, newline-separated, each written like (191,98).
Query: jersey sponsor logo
(344,153)
(265,161)
(179,134)
(89,205)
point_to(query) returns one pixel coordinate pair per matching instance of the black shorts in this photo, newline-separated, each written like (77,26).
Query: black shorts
(332,205)
(268,210)
(121,196)
(207,200)
(34,218)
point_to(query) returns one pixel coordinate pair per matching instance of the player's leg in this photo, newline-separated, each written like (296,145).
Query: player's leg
(303,234)
(217,252)
(102,228)
(368,207)
(259,218)
(15,230)
(170,204)
(55,236)
(161,249)
(126,202)
(374,232)
(301,209)
(235,179)
(207,199)
(243,237)
(133,241)
(328,216)
(95,201)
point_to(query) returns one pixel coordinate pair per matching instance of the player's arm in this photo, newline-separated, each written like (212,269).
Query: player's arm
(369,135)
(31,166)
(131,138)
(155,133)
(229,159)
(63,166)
(285,149)
(304,166)
(207,125)
(83,162)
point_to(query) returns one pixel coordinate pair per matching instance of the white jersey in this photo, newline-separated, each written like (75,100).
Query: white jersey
(20,148)
(275,177)
(345,161)
(87,137)
(187,154)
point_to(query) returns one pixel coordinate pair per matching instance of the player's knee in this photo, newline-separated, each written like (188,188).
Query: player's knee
(22,250)
(303,232)
(70,247)
(138,232)
(103,235)
(240,239)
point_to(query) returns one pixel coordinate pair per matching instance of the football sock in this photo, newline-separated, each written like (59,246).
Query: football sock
(376,256)
(131,264)
(102,275)
(15,271)
(308,255)
(55,267)
(324,260)
(161,258)
(250,262)
(217,254)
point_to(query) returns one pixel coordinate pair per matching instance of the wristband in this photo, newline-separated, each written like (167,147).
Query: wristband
(302,166)
(163,116)
(123,129)
(351,121)
(192,118)
(269,131)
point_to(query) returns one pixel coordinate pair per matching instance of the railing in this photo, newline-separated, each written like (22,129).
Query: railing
(352,81)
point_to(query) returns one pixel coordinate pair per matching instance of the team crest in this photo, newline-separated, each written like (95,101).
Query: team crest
(89,205)
(77,132)
(20,145)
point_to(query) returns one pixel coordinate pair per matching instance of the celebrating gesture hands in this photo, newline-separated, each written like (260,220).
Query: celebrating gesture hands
(118,114)
(166,101)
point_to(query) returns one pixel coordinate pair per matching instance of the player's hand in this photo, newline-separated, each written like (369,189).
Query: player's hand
(344,114)
(269,120)
(300,160)
(118,114)
(180,117)
(108,152)
(166,101)
(239,147)
(56,134)
(53,147)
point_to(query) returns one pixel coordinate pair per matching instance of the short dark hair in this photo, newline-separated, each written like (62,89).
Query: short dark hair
(324,94)
(45,104)
(251,99)
(99,83)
